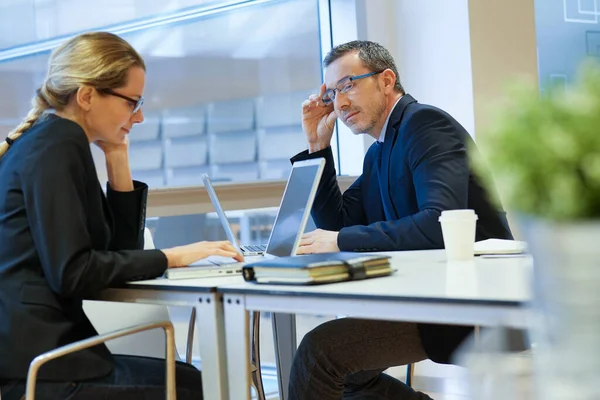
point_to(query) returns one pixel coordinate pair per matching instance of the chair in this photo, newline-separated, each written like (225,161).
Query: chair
(94,311)
(107,317)
(410,373)
(255,372)
(410,368)
(170,388)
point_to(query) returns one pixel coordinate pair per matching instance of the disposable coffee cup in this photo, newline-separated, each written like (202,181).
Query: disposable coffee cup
(458,230)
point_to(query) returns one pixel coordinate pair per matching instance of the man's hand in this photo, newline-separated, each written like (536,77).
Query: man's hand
(318,121)
(318,241)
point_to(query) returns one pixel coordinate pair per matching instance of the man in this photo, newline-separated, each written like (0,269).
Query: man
(417,168)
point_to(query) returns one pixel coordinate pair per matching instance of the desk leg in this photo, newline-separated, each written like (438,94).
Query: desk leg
(211,335)
(237,335)
(284,335)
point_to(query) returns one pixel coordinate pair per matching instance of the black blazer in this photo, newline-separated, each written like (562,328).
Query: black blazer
(61,239)
(419,170)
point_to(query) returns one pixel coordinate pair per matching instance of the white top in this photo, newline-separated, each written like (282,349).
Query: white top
(382,134)
(203,284)
(500,246)
(424,275)
(419,275)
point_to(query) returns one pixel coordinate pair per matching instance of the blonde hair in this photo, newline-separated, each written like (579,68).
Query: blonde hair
(98,59)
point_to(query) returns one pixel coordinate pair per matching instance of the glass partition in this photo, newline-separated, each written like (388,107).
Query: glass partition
(224,87)
(568,31)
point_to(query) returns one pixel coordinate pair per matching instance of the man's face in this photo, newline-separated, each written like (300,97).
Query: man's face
(362,107)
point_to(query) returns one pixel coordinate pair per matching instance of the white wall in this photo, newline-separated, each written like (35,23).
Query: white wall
(503,47)
(454,54)
(429,40)
(351,147)
(434,55)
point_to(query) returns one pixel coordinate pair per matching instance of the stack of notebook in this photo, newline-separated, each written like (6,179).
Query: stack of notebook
(317,268)
(492,247)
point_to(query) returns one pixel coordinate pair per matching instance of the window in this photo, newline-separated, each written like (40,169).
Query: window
(224,86)
(567,32)
(27,21)
(250,226)
(224,83)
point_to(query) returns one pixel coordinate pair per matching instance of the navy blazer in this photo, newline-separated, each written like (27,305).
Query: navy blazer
(61,239)
(420,169)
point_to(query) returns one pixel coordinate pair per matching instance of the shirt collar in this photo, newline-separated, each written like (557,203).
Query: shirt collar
(382,134)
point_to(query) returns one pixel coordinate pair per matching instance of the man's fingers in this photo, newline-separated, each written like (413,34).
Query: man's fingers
(309,234)
(304,250)
(312,101)
(306,241)
(322,90)
(331,118)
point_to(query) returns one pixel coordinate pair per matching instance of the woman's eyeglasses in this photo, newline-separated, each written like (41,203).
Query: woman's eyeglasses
(136,103)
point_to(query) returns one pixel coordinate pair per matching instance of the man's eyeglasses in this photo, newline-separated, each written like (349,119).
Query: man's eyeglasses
(343,86)
(136,103)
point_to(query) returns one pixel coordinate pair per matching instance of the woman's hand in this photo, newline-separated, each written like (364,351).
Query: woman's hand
(182,256)
(111,149)
(117,164)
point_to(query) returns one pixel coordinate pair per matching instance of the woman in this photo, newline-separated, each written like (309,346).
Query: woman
(61,238)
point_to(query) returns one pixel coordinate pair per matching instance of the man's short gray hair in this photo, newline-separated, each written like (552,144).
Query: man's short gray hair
(374,56)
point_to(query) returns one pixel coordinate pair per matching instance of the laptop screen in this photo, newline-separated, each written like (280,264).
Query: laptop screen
(293,213)
(217,205)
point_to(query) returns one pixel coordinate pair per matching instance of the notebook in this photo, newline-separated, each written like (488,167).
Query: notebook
(499,247)
(317,268)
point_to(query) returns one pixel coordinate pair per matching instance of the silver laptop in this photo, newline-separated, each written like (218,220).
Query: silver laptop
(288,227)
(246,250)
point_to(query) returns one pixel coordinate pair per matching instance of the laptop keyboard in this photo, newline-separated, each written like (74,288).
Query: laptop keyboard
(260,248)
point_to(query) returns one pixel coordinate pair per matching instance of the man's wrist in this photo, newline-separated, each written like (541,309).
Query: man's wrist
(314,147)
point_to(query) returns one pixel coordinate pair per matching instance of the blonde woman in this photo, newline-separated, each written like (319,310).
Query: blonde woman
(62,238)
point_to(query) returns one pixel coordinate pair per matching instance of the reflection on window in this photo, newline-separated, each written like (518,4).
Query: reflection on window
(567,31)
(26,21)
(223,90)
(251,227)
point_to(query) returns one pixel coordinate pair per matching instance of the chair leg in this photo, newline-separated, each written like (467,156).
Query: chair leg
(255,371)
(190,337)
(410,372)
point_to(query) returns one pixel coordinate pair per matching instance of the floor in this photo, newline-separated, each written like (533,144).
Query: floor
(497,378)
(441,382)
(452,385)
(490,377)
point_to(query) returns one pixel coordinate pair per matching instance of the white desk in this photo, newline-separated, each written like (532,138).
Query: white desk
(200,294)
(488,292)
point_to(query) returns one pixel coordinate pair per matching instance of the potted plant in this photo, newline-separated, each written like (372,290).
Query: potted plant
(543,151)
